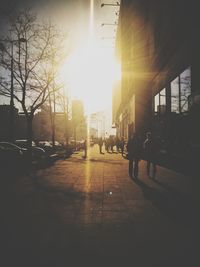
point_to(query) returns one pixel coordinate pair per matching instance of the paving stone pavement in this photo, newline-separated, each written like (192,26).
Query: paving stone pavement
(90,212)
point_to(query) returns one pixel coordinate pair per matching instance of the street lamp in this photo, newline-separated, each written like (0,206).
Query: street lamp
(20,40)
(117,4)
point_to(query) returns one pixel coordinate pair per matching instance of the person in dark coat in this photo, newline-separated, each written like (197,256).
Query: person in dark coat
(150,151)
(100,145)
(106,145)
(122,143)
(134,155)
(117,143)
(85,148)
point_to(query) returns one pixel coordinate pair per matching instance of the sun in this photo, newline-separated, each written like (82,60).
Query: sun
(90,73)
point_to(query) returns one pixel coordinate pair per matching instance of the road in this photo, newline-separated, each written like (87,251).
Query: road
(90,212)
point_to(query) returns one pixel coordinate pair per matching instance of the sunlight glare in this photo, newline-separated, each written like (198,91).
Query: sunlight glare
(91,72)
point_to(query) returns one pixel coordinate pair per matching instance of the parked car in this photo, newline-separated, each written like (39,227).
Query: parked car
(57,144)
(47,146)
(11,155)
(23,143)
(72,144)
(12,147)
(80,144)
(38,153)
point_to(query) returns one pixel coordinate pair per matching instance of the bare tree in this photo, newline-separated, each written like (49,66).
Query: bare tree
(31,62)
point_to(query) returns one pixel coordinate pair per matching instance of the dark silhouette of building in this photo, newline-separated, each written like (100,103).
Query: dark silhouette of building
(5,121)
(158,45)
(41,125)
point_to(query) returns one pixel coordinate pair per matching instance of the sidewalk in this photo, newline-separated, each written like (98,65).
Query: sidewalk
(88,211)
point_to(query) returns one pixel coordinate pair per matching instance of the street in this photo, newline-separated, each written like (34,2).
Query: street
(90,212)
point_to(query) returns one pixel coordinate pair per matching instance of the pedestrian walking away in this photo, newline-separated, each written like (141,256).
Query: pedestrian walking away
(134,155)
(150,152)
(122,143)
(85,148)
(100,143)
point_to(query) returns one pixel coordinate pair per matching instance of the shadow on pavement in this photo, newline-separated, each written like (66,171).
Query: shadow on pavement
(84,160)
(182,208)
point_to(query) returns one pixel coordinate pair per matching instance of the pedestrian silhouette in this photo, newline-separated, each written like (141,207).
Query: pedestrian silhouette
(134,155)
(112,143)
(107,145)
(100,142)
(117,142)
(150,152)
(85,148)
(122,143)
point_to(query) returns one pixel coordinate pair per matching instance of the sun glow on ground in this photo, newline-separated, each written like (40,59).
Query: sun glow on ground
(90,73)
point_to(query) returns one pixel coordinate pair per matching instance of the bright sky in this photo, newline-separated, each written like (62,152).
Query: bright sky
(90,67)
(90,72)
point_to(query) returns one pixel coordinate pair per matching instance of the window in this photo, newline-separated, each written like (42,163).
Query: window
(185,89)
(175,95)
(163,97)
(160,101)
(180,91)
(156,103)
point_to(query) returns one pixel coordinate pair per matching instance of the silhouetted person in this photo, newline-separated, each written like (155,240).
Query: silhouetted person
(134,155)
(106,145)
(100,143)
(150,149)
(117,142)
(112,143)
(122,143)
(85,148)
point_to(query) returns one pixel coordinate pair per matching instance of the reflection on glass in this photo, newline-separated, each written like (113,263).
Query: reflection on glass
(185,90)
(156,103)
(175,95)
(163,97)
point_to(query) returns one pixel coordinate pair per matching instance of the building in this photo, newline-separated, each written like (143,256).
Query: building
(116,98)
(158,45)
(42,126)
(79,120)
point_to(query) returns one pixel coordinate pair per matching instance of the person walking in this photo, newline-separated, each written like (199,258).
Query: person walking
(100,145)
(85,148)
(106,145)
(134,155)
(150,151)
(122,143)
(117,143)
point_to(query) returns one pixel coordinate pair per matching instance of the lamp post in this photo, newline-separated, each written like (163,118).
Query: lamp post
(20,40)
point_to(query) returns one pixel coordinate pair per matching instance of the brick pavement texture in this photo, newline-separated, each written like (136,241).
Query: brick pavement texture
(89,212)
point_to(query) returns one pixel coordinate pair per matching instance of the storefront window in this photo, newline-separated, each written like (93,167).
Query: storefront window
(163,97)
(175,95)
(160,101)
(185,89)
(156,103)
(180,90)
